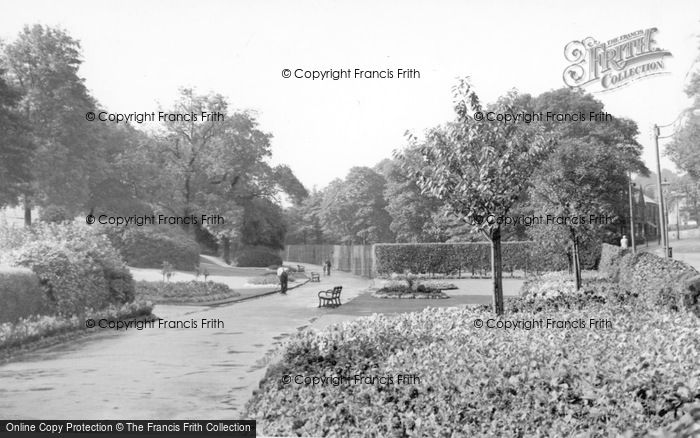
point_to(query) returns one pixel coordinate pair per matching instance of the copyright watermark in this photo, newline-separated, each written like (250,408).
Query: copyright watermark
(543,324)
(356,379)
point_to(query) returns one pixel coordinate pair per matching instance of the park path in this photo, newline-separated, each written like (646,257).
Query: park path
(202,373)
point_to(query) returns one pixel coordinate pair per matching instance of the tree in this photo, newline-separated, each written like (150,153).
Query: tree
(43,64)
(16,149)
(480,169)
(587,173)
(354,210)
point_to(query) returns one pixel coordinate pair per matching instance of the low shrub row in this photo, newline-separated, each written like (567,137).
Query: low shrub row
(186,291)
(36,327)
(485,381)
(451,258)
(273,279)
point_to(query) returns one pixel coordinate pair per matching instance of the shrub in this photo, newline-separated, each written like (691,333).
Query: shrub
(272,279)
(149,247)
(661,282)
(192,291)
(257,258)
(610,259)
(77,268)
(484,382)
(21,295)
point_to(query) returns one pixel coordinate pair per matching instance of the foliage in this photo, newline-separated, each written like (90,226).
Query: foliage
(78,268)
(36,327)
(610,259)
(449,258)
(43,64)
(182,292)
(21,295)
(480,169)
(663,283)
(257,257)
(16,149)
(354,210)
(485,382)
(149,247)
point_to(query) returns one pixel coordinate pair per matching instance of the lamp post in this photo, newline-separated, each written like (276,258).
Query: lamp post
(631,185)
(662,217)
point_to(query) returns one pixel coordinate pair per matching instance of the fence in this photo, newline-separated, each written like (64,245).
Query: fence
(356,259)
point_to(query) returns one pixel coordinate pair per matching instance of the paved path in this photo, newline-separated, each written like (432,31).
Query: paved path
(167,373)
(163,373)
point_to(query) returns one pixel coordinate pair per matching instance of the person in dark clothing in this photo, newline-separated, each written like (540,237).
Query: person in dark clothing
(284,279)
(328,267)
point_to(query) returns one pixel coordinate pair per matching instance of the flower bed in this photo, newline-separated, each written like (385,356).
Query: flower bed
(37,327)
(477,382)
(183,292)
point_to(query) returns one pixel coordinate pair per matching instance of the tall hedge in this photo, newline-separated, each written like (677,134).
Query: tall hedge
(469,257)
(21,295)
(149,247)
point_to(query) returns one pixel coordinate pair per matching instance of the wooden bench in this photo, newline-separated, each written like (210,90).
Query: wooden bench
(315,277)
(300,268)
(330,298)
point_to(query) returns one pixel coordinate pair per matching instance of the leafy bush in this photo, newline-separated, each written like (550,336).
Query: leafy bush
(149,247)
(485,382)
(257,258)
(77,267)
(661,282)
(21,295)
(191,291)
(610,259)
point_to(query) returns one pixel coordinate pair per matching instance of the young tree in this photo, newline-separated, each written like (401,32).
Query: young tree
(479,168)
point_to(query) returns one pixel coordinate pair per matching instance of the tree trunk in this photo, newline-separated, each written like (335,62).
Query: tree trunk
(497,271)
(226,244)
(27,212)
(577,263)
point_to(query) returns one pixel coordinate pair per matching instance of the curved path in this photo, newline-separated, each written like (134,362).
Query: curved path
(164,373)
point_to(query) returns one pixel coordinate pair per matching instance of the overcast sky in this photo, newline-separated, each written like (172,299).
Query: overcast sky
(138,53)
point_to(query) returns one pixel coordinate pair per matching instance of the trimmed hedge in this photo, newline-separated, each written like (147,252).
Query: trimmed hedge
(21,295)
(257,258)
(149,247)
(661,282)
(450,258)
(78,268)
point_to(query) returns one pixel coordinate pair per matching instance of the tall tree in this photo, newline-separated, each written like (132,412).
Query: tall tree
(43,63)
(481,169)
(16,149)
(586,175)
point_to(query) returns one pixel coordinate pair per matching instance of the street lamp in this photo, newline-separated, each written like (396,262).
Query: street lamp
(662,217)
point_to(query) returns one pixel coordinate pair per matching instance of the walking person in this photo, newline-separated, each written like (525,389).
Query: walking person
(328,266)
(284,278)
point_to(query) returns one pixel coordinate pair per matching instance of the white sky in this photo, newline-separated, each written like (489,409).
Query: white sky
(138,53)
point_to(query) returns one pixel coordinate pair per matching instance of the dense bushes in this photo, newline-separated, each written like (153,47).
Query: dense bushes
(257,258)
(451,258)
(191,291)
(610,259)
(77,268)
(485,382)
(663,283)
(21,295)
(149,247)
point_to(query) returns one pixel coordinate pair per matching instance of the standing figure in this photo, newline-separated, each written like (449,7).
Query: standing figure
(623,241)
(284,278)
(328,266)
